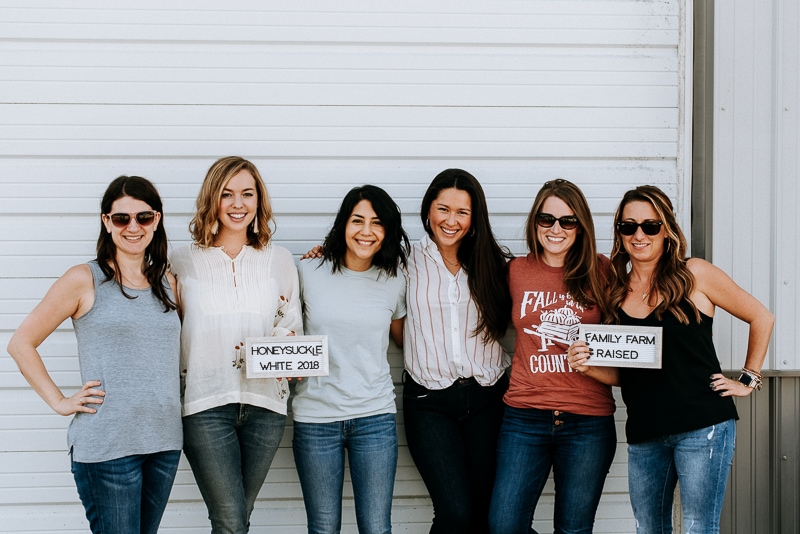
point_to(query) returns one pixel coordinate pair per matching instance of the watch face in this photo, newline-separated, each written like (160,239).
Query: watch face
(747,380)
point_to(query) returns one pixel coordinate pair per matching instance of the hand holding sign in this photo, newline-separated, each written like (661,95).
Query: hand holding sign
(621,346)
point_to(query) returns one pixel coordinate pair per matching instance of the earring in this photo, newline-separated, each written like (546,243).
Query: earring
(215,228)
(255,225)
(427,224)
(472,232)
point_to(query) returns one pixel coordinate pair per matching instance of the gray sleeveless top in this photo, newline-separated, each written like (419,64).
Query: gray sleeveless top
(133,348)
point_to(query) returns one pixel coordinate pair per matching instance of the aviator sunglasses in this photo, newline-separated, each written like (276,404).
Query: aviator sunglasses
(567,222)
(648,227)
(122,220)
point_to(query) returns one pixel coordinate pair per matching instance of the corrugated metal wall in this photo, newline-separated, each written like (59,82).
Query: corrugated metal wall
(755,239)
(322,96)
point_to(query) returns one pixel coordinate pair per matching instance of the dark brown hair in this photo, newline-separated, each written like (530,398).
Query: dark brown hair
(155,255)
(483,259)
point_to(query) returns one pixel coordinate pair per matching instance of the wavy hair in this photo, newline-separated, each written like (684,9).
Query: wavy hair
(155,255)
(582,277)
(394,248)
(672,278)
(206,217)
(481,257)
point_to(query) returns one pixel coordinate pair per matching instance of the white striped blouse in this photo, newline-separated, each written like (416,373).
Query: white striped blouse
(439,342)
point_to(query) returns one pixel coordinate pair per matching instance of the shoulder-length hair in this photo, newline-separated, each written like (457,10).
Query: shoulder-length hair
(582,278)
(483,259)
(155,255)
(394,248)
(205,222)
(672,279)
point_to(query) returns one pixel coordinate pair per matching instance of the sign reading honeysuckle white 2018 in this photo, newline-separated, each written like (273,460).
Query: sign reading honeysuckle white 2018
(286,356)
(623,346)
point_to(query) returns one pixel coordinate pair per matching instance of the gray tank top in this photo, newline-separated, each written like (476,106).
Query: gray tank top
(133,348)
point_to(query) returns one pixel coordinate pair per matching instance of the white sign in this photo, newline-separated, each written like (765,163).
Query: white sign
(623,346)
(286,356)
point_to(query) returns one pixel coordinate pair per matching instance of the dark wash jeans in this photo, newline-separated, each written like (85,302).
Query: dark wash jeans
(578,448)
(127,495)
(452,436)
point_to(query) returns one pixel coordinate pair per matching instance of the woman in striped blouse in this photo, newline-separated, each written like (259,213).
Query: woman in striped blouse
(458,309)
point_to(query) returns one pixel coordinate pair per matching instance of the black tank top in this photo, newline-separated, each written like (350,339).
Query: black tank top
(676,398)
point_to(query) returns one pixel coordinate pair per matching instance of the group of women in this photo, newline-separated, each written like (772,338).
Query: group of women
(159,349)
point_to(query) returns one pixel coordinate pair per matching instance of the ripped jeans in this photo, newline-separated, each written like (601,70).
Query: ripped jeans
(700,460)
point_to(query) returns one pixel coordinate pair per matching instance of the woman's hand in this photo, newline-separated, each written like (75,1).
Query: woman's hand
(80,401)
(728,387)
(315,252)
(578,354)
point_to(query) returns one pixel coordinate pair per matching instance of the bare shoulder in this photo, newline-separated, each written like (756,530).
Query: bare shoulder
(78,278)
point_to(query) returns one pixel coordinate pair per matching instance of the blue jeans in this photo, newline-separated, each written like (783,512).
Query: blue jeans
(579,448)
(230,449)
(452,437)
(371,444)
(126,495)
(700,459)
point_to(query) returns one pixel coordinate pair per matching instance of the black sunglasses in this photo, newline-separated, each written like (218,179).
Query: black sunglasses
(648,227)
(567,222)
(122,220)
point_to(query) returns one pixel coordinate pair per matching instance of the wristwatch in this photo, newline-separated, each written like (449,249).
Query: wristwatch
(749,380)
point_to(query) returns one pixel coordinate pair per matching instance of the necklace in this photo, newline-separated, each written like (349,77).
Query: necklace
(453,263)
(231,253)
(127,282)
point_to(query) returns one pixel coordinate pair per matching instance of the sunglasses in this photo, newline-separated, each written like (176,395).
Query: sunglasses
(648,227)
(567,222)
(122,220)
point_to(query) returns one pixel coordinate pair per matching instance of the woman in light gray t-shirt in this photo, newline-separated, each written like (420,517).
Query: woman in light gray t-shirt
(356,296)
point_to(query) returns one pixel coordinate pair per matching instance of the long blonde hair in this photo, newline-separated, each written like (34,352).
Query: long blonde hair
(206,219)
(672,278)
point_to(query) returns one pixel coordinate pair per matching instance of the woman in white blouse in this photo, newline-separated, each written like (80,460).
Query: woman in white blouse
(233,284)
(458,308)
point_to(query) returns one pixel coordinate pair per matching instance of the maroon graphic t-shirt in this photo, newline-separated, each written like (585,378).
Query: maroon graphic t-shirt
(547,320)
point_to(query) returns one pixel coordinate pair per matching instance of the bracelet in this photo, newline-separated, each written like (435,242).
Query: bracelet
(754,373)
(750,379)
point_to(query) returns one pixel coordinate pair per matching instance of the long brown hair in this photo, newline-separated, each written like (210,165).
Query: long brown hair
(484,261)
(672,279)
(206,219)
(155,255)
(582,278)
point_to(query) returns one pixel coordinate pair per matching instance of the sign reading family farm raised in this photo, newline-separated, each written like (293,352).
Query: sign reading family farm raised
(286,356)
(623,346)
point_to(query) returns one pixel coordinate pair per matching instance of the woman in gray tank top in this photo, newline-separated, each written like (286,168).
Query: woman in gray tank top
(125,436)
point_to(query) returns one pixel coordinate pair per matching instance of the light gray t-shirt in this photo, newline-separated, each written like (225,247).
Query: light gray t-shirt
(133,348)
(354,309)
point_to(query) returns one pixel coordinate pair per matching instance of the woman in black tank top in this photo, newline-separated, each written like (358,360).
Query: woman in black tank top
(681,418)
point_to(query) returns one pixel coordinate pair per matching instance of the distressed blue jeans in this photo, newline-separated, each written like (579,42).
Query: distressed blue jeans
(578,448)
(126,495)
(230,449)
(371,444)
(700,460)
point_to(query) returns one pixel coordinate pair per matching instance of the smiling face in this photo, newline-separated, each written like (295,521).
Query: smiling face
(364,235)
(556,241)
(132,239)
(450,217)
(640,246)
(238,204)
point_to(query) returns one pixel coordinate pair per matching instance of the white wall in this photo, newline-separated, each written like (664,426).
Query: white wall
(321,96)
